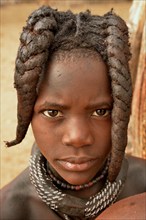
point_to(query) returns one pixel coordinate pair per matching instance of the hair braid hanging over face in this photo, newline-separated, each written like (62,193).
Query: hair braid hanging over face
(118,57)
(31,61)
(47,31)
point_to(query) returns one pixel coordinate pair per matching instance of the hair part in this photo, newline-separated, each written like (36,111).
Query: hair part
(48,31)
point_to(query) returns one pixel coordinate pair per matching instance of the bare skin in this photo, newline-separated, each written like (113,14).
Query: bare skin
(21,193)
(72,127)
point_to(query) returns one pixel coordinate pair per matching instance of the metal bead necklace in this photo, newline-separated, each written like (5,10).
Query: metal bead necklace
(67,204)
(78,187)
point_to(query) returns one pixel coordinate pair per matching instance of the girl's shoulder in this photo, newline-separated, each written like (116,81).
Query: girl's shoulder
(138,161)
(19,200)
(137,169)
(14,197)
(136,177)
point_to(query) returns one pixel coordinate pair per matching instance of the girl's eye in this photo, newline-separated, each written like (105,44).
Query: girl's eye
(102,112)
(52,113)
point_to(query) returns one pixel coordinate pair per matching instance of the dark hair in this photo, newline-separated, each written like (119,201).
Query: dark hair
(49,30)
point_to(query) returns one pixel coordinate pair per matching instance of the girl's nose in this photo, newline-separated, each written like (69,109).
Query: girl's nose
(77,134)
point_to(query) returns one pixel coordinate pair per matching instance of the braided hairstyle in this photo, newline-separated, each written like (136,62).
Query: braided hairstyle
(49,30)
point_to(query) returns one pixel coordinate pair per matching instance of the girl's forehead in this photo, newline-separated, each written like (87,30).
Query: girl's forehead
(77,64)
(67,68)
(73,67)
(76,80)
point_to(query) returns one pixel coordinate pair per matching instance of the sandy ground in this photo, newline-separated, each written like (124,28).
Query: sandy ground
(13,17)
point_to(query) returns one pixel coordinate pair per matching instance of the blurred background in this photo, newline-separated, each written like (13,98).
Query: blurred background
(14,14)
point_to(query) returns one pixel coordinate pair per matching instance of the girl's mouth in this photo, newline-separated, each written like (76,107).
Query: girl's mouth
(77,164)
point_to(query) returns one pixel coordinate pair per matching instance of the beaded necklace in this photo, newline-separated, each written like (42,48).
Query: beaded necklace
(78,187)
(70,205)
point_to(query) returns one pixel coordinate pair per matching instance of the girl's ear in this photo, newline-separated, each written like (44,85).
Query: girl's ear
(31,61)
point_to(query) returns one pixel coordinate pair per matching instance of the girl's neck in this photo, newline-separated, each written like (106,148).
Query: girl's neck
(87,192)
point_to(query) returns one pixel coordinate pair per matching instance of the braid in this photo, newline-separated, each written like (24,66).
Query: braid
(118,57)
(31,60)
(48,31)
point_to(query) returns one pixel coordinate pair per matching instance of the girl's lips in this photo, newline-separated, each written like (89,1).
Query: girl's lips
(77,165)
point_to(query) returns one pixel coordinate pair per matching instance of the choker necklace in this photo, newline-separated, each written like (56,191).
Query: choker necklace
(78,187)
(67,204)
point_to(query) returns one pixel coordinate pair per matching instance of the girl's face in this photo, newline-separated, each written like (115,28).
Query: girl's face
(72,117)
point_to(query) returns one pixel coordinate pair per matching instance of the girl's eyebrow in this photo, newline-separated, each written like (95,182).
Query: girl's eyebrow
(104,104)
(55,105)
(47,104)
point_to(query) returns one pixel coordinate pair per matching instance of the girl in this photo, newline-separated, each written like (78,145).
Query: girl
(74,87)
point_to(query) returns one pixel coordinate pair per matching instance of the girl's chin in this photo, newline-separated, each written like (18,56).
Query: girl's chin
(73,178)
(77,179)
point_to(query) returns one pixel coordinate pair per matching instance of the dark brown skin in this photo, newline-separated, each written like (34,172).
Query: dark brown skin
(19,199)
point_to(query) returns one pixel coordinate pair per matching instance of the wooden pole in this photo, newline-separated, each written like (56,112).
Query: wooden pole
(136,24)
(137,125)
